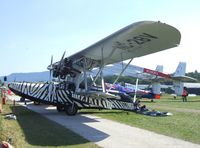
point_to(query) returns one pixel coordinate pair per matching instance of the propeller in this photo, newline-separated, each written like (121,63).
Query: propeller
(61,61)
(51,68)
(60,65)
(56,68)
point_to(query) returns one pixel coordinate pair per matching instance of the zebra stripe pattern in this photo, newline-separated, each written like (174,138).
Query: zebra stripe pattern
(53,94)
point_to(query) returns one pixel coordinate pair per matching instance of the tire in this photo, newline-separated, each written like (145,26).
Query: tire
(22,99)
(71,110)
(36,103)
(60,108)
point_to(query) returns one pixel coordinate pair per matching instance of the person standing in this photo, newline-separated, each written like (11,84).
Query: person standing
(185,94)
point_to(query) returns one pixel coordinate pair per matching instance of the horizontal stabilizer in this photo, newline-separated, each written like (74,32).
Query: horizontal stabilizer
(183,78)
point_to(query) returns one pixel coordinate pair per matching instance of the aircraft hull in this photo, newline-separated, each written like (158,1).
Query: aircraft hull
(53,94)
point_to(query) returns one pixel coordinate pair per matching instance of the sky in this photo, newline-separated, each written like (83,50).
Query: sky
(31,31)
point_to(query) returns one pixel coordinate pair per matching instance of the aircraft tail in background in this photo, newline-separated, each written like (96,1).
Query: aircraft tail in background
(179,77)
(179,74)
(180,70)
(159,68)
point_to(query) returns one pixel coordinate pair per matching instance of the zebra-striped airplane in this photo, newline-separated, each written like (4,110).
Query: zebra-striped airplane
(72,90)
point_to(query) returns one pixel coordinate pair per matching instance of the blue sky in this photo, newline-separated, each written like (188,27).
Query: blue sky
(33,30)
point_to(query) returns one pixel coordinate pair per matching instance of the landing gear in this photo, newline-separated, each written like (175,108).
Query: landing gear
(22,99)
(71,110)
(60,108)
(36,103)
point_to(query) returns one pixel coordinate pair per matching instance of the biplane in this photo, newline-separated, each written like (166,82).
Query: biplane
(73,92)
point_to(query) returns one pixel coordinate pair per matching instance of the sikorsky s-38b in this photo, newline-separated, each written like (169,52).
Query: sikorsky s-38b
(135,40)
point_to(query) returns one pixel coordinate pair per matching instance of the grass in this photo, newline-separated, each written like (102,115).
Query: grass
(184,124)
(168,101)
(31,130)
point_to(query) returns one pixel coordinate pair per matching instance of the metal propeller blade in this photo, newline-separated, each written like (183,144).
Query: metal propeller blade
(51,60)
(59,67)
(51,68)
(61,60)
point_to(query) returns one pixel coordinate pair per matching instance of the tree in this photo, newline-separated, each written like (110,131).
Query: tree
(194,74)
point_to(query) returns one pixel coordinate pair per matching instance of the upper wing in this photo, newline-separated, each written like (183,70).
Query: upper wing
(135,40)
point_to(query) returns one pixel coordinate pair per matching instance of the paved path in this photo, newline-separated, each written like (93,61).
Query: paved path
(106,133)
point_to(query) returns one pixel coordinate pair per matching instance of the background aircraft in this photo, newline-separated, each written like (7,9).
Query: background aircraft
(156,76)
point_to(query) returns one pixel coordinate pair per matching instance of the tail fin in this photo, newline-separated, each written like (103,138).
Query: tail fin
(179,77)
(180,70)
(159,68)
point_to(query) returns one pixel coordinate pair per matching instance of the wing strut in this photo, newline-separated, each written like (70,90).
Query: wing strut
(136,89)
(104,62)
(93,80)
(85,75)
(121,73)
(102,78)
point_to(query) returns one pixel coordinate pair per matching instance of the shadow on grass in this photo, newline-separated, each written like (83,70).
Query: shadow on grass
(41,131)
(102,112)
(145,101)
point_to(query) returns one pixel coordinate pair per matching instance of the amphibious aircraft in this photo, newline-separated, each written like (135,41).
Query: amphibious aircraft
(72,91)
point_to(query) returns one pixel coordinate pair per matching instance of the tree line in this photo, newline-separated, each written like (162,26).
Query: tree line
(194,74)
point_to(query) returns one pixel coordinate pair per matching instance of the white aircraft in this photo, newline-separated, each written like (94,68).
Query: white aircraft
(178,78)
(135,40)
(157,76)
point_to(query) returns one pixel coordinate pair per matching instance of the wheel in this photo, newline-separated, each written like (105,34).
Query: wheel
(22,99)
(71,110)
(36,103)
(60,108)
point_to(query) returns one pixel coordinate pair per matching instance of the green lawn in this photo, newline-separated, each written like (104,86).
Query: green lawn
(31,130)
(184,124)
(168,101)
